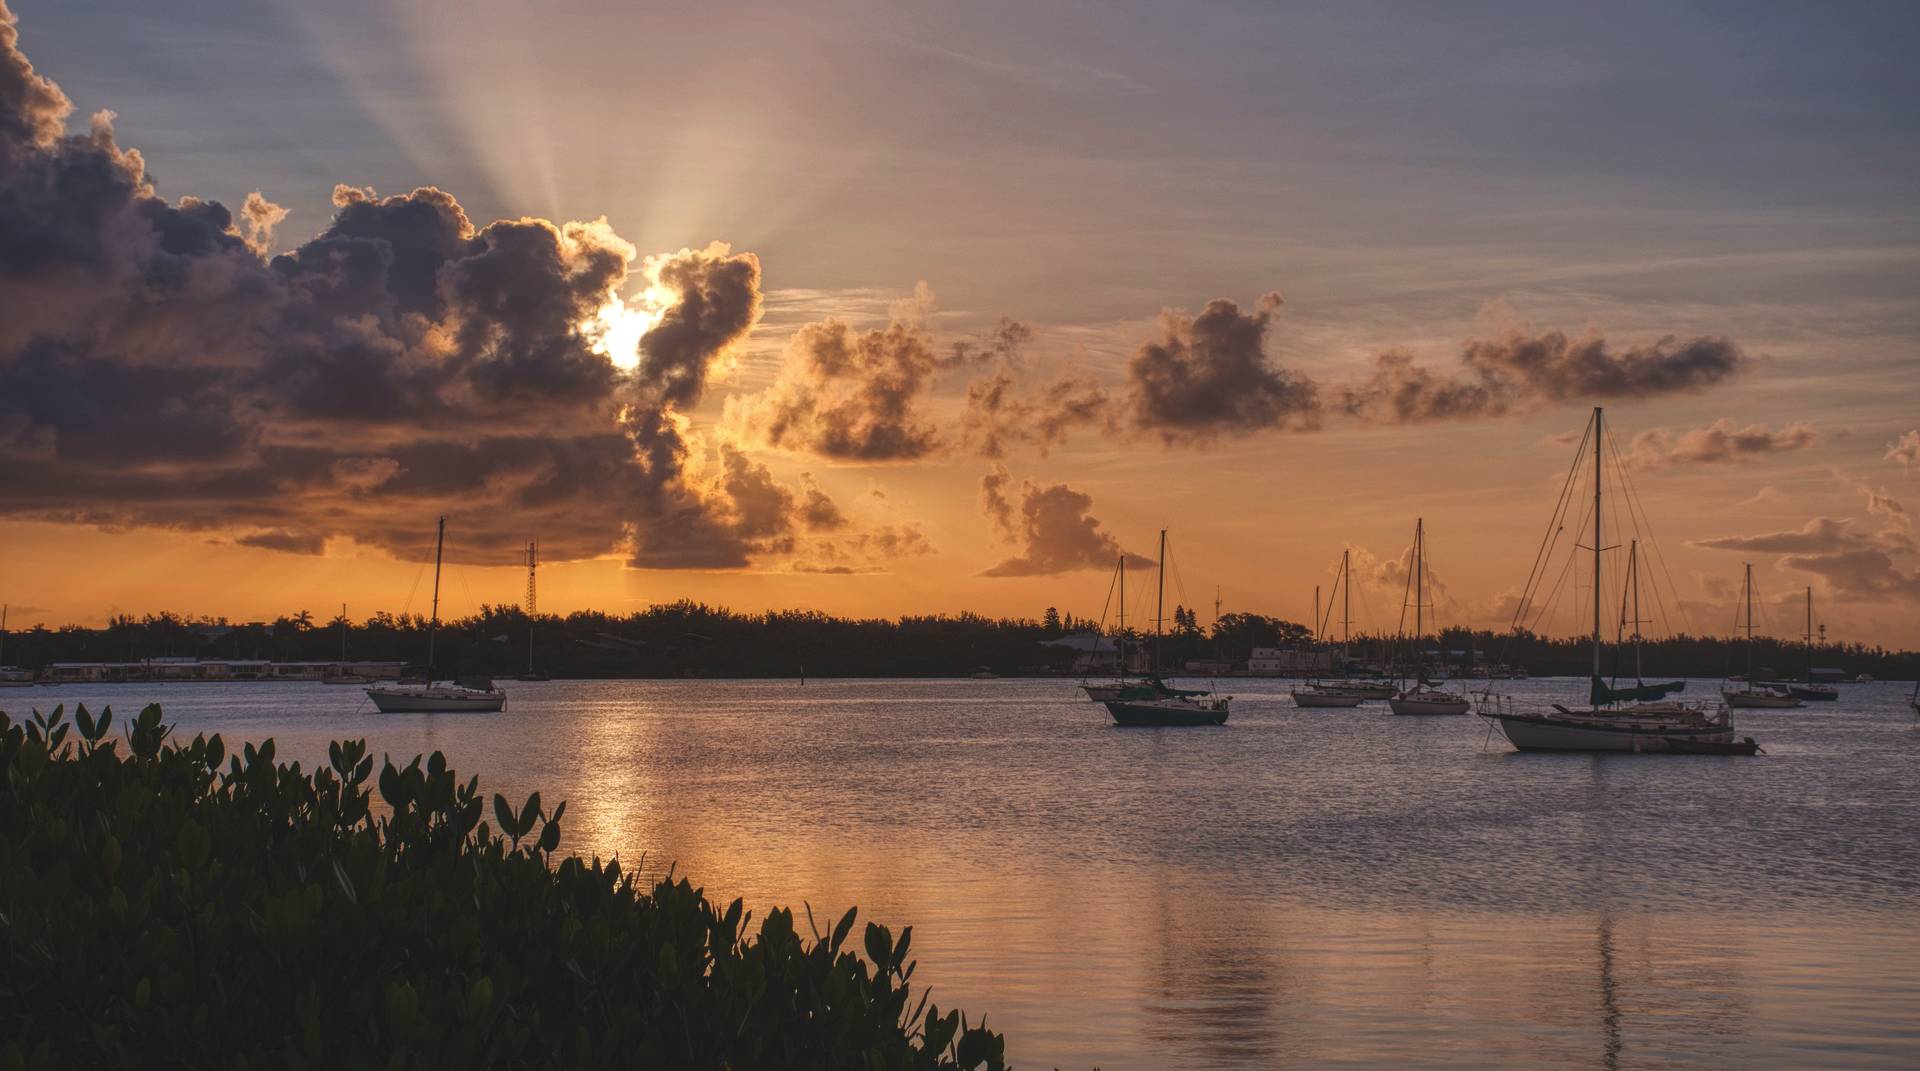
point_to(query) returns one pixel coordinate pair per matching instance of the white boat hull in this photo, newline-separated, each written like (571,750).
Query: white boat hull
(436,701)
(1759,700)
(1544,733)
(1429,705)
(1326,699)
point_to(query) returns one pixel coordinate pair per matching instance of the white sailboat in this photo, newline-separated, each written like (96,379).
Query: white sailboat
(1423,697)
(428,696)
(1752,694)
(1605,726)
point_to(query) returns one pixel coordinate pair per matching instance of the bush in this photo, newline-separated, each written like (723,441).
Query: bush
(170,905)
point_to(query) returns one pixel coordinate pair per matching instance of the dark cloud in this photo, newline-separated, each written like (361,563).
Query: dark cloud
(1208,376)
(849,395)
(1051,526)
(1522,369)
(157,369)
(1718,443)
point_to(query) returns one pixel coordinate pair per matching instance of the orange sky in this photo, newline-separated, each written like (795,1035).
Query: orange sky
(939,174)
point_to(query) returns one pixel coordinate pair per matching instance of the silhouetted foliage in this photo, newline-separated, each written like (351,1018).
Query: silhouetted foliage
(169,905)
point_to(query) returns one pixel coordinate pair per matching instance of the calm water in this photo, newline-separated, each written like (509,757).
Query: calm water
(1298,888)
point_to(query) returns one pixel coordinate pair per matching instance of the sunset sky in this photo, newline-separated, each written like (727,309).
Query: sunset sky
(887,309)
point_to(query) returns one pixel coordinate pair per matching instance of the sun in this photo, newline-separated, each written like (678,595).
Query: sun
(617,328)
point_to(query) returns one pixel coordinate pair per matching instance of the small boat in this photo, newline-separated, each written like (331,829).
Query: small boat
(1809,689)
(346,678)
(1423,697)
(1754,694)
(1363,689)
(1316,696)
(476,695)
(1425,700)
(983,674)
(1637,719)
(1170,713)
(1864,678)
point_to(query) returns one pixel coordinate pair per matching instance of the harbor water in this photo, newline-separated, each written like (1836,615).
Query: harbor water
(1298,888)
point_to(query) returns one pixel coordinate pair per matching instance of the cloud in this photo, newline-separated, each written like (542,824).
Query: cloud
(863,552)
(1052,527)
(1905,450)
(1819,535)
(1520,370)
(156,368)
(1721,442)
(854,396)
(1864,573)
(999,417)
(1208,376)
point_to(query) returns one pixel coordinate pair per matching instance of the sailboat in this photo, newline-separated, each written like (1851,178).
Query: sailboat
(11,676)
(1752,693)
(1807,688)
(1167,710)
(467,695)
(1606,725)
(1646,698)
(1423,697)
(1151,686)
(1340,693)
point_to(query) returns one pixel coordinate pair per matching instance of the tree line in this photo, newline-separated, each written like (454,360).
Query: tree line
(693,639)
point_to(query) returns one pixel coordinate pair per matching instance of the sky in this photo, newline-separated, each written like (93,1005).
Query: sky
(892,309)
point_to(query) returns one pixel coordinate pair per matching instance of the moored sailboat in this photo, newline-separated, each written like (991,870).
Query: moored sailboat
(476,695)
(1168,711)
(1605,725)
(1753,694)
(1423,697)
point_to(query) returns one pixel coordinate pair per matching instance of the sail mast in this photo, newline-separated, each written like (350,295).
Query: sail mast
(343,632)
(433,625)
(1597,427)
(1747,592)
(1809,633)
(1633,573)
(1346,604)
(1120,648)
(533,560)
(1160,599)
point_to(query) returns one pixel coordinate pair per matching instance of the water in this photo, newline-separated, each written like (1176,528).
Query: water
(1299,888)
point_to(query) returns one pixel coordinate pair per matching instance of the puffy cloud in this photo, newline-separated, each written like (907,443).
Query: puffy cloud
(866,551)
(999,416)
(1905,450)
(1052,526)
(1208,376)
(1819,535)
(1522,369)
(857,396)
(157,369)
(1863,573)
(1720,442)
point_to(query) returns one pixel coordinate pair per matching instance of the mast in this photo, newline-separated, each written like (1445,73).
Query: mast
(3,628)
(1346,602)
(1419,584)
(1633,574)
(1747,592)
(1597,476)
(433,626)
(1160,599)
(343,632)
(1809,633)
(1316,613)
(1120,648)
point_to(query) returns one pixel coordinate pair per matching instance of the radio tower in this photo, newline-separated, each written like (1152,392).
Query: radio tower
(533,561)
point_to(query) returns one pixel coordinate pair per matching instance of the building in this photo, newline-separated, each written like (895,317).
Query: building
(1289,661)
(1093,653)
(215,669)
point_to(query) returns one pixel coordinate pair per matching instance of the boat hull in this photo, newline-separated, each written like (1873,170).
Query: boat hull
(1170,716)
(1759,700)
(1424,705)
(1366,691)
(401,701)
(1814,693)
(1322,699)
(1546,733)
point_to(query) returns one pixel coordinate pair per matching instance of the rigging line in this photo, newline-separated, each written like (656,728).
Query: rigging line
(1552,535)
(1653,540)
(1553,596)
